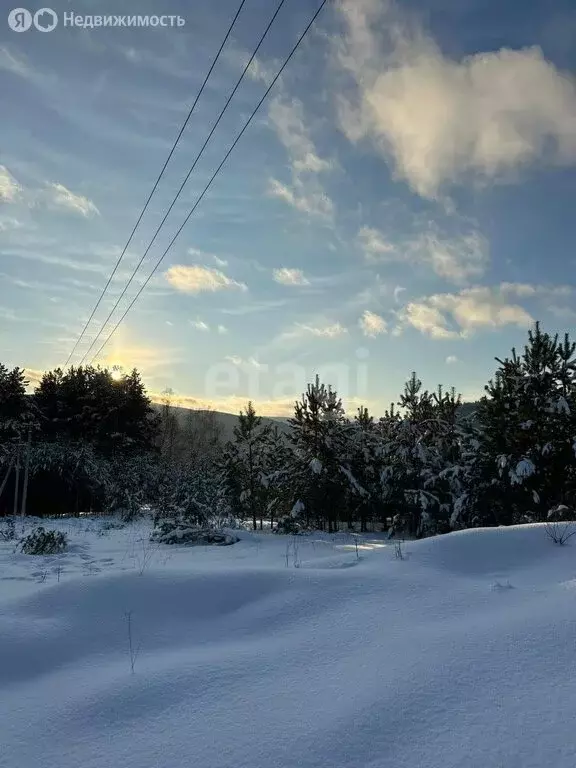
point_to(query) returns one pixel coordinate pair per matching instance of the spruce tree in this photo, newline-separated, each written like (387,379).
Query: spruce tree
(246,466)
(524,464)
(318,438)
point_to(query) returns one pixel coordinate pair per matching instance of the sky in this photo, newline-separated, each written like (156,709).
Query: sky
(403,200)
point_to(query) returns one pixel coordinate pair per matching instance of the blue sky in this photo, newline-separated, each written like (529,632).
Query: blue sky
(403,201)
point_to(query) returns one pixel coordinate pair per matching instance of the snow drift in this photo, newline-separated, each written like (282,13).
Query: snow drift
(245,661)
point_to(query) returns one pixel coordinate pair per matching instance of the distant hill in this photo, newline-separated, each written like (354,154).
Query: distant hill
(227,421)
(467,409)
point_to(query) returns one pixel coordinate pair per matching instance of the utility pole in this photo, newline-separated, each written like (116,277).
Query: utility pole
(17,479)
(26,473)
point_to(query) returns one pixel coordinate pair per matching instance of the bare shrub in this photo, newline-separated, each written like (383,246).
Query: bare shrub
(133,652)
(559,527)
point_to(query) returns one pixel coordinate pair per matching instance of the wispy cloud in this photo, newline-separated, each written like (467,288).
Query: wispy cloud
(375,246)
(200,325)
(457,258)
(7,314)
(61,197)
(196,253)
(197,279)
(260,71)
(287,276)
(256,307)
(305,193)
(13,62)
(439,120)
(451,359)
(314,202)
(333,331)
(52,195)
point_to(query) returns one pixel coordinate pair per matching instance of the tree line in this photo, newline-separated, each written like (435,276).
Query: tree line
(93,442)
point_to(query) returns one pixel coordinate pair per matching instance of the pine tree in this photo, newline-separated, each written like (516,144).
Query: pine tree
(365,501)
(246,466)
(422,472)
(14,406)
(318,468)
(89,405)
(524,461)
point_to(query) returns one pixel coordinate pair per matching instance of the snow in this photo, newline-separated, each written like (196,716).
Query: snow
(525,468)
(458,655)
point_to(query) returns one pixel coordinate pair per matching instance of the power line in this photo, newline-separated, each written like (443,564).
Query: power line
(192,168)
(215,174)
(143,211)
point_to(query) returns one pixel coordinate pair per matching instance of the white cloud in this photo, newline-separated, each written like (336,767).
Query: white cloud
(451,359)
(427,319)
(287,276)
(9,188)
(197,279)
(458,315)
(222,329)
(372,324)
(439,120)
(200,325)
(62,197)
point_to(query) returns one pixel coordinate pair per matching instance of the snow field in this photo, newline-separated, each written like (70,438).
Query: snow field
(245,661)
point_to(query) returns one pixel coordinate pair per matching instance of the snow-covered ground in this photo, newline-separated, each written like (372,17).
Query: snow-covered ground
(289,652)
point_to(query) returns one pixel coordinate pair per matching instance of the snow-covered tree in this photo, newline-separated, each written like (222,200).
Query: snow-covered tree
(246,468)
(319,467)
(421,475)
(522,457)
